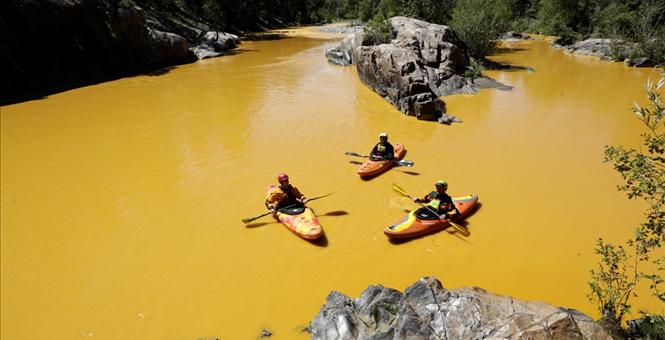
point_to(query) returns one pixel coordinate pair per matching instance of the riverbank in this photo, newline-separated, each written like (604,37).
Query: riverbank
(53,46)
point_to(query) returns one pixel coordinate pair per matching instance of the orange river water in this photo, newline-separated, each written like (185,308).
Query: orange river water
(121,202)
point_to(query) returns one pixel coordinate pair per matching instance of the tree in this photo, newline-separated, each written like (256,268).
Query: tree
(479,22)
(613,282)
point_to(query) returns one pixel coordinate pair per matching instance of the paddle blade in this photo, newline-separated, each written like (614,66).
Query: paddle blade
(407,164)
(250,219)
(459,228)
(400,190)
(349,153)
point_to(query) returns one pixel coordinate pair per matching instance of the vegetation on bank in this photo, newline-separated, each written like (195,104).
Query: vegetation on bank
(639,24)
(622,268)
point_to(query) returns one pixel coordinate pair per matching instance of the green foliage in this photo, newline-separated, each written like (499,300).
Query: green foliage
(479,22)
(649,327)
(474,70)
(612,19)
(525,24)
(213,14)
(612,283)
(643,172)
(649,29)
(434,11)
(564,17)
(378,30)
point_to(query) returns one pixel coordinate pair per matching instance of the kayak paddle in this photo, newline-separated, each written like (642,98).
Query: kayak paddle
(407,164)
(250,219)
(403,193)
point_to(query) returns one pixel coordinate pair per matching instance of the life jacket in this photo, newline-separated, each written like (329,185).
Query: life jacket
(435,201)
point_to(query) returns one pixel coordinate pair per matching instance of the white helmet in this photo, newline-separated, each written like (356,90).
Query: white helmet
(383,134)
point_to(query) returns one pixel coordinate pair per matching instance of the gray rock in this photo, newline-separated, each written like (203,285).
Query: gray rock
(343,29)
(607,49)
(214,44)
(514,36)
(423,62)
(639,62)
(342,54)
(427,310)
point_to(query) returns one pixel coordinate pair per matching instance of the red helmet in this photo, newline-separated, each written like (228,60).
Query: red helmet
(282,177)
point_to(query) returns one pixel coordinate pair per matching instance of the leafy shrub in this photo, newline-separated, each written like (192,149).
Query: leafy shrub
(378,31)
(479,22)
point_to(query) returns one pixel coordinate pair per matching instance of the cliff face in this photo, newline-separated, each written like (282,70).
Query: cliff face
(426,310)
(50,45)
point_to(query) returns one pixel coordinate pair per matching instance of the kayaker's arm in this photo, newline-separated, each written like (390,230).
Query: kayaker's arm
(372,154)
(425,199)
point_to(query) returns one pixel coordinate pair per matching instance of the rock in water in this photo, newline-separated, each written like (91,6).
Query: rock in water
(423,62)
(214,44)
(427,310)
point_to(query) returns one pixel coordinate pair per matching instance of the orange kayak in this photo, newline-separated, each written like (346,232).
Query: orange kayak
(374,168)
(300,220)
(422,221)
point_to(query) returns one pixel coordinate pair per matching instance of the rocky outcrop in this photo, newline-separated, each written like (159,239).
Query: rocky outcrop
(423,62)
(346,29)
(55,44)
(214,44)
(426,310)
(639,62)
(52,45)
(513,36)
(607,49)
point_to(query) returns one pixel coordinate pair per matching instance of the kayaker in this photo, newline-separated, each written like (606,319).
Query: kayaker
(382,150)
(440,200)
(284,195)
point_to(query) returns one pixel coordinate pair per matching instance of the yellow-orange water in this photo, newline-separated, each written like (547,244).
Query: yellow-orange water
(121,202)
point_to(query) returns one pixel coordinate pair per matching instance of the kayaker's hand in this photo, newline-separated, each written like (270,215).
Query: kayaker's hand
(442,216)
(417,200)
(304,200)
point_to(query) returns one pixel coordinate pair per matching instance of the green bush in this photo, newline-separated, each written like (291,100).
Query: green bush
(649,327)
(378,31)
(566,18)
(479,22)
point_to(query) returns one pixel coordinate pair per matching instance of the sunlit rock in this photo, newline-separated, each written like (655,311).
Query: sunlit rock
(423,62)
(214,44)
(427,310)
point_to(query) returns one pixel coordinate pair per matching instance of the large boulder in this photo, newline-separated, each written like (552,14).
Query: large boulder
(423,62)
(427,310)
(215,43)
(608,49)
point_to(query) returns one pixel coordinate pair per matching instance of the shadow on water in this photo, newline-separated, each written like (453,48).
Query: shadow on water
(507,50)
(158,72)
(258,224)
(335,213)
(321,241)
(264,36)
(412,173)
(496,66)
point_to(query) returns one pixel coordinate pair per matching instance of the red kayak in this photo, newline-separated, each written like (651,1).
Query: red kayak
(422,221)
(374,168)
